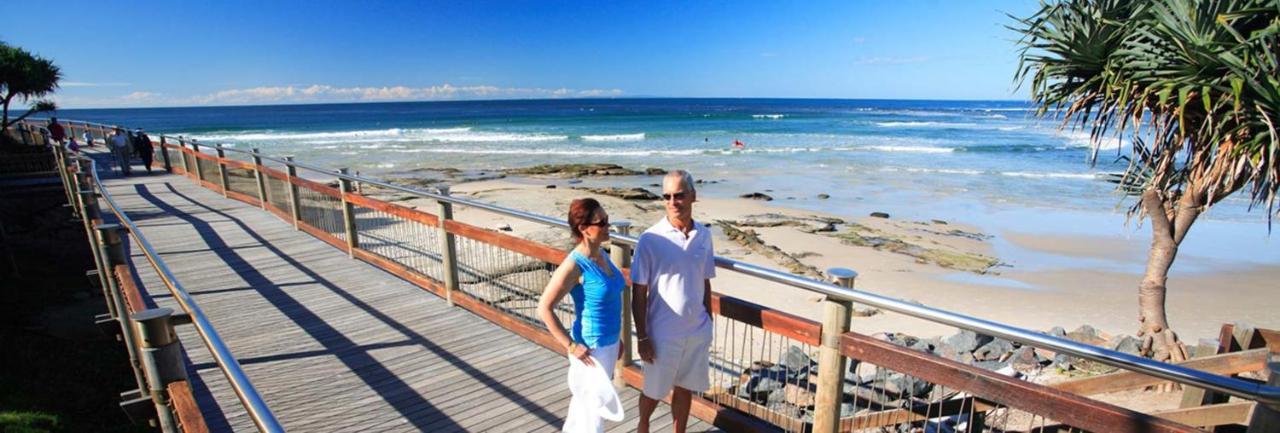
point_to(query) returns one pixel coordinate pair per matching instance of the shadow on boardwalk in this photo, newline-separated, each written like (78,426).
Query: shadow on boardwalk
(421,413)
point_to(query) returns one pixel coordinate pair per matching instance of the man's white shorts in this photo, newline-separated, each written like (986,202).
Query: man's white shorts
(681,362)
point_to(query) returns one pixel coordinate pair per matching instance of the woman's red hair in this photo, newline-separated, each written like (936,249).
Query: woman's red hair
(580,213)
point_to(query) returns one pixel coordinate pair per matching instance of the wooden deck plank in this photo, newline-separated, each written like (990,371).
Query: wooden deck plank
(335,344)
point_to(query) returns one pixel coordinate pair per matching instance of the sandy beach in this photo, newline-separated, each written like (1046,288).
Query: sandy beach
(942,265)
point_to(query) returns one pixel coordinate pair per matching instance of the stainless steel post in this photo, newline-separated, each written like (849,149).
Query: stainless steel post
(162,360)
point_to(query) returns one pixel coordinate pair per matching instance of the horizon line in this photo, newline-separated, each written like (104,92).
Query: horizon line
(588,98)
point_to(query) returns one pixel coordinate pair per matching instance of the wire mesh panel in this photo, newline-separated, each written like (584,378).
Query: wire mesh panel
(172,156)
(409,243)
(277,192)
(507,280)
(321,211)
(762,373)
(190,161)
(209,170)
(242,180)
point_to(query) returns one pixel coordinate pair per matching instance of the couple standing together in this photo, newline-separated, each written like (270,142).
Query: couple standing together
(671,301)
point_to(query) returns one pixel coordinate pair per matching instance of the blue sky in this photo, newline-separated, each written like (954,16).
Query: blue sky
(142,53)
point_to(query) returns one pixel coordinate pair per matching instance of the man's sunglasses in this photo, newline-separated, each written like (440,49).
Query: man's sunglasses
(679,196)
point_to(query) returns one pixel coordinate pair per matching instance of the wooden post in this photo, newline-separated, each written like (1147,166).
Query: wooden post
(182,156)
(164,155)
(295,206)
(448,248)
(832,363)
(621,255)
(162,359)
(260,178)
(25,133)
(195,155)
(348,214)
(1267,418)
(111,243)
(222,169)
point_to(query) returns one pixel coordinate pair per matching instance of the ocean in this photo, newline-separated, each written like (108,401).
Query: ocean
(991,163)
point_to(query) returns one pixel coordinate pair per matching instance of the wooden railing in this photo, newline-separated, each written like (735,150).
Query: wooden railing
(499,276)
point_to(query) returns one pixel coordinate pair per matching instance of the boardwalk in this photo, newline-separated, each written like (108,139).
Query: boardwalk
(335,344)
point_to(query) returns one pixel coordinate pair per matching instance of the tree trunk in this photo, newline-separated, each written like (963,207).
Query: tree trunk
(1169,225)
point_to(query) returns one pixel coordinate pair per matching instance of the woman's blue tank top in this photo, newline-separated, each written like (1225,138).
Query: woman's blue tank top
(598,301)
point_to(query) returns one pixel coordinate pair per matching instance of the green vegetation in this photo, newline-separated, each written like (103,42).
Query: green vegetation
(25,76)
(1193,84)
(863,236)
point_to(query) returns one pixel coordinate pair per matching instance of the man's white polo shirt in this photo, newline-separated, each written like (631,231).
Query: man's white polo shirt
(674,267)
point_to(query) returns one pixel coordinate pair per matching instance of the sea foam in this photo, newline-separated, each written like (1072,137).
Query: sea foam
(617,137)
(442,135)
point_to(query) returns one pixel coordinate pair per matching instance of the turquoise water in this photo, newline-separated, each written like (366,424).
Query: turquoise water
(902,154)
(988,163)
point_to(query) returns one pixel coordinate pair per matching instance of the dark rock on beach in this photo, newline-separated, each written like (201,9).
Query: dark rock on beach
(623,193)
(879,215)
(577,170)
(823,196)
(757,196)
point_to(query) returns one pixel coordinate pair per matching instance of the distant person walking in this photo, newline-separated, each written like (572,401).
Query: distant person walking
(56,132)
(146,150)
(671,303)
(119,144)
(592,342)
(88,139)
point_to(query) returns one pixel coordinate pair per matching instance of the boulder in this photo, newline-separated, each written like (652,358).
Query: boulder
(994,350)
(757,196)
(1126,344)
(623,193)
(654,171)
(1024,358)
(796,362)
(906,386)
(823,196)
(1086,334)
(879,215)
(551,187)
(968,341)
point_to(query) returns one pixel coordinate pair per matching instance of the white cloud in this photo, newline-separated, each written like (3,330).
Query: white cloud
(859,40)
(320,93)
(890,60)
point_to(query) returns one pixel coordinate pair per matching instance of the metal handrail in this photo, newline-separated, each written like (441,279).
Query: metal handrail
(226,361)
(1269,395)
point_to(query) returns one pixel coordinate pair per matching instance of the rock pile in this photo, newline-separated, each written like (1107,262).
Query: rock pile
(788,386)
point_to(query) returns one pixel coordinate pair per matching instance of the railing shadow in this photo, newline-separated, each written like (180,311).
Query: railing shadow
(397,393)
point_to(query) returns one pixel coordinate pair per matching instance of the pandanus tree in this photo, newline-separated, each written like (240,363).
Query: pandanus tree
(1192,85)
(25,76)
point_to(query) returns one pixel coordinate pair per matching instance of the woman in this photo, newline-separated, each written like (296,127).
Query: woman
(597,299)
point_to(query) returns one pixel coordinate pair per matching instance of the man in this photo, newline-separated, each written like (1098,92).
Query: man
(119,143)
(146,150)
(56,132)
(671,303)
